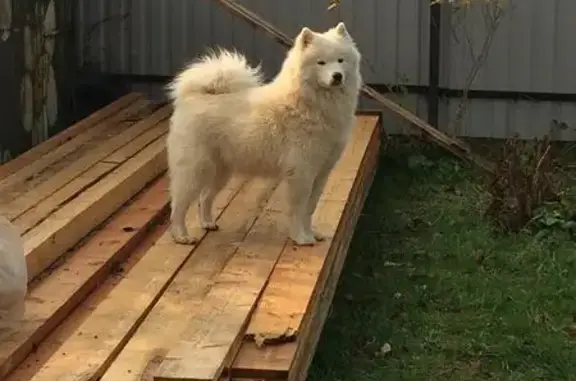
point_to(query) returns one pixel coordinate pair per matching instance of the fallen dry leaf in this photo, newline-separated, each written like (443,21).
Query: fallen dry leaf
(384,350)
(571,330)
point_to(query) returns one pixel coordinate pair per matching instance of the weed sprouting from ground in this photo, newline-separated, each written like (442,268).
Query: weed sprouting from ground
(531,190)
(431,291)
(526,178)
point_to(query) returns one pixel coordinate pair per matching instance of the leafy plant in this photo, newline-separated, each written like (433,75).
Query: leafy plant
(526,178)
(558,215)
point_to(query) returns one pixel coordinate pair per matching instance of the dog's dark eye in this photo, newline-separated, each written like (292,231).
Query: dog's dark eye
(321,63)
(340,60)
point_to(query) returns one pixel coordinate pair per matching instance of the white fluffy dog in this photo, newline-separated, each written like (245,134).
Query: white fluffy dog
(294,128)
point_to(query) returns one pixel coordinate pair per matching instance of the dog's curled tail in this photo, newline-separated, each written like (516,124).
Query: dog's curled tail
(218,72)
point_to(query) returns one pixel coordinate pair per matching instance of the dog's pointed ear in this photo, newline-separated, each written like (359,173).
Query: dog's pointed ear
(306,37)
(341,29)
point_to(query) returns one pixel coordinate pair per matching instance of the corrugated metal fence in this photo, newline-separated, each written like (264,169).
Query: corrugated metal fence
(532,49)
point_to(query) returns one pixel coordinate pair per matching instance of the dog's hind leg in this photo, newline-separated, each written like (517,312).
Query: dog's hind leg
(218,181)
(185,187)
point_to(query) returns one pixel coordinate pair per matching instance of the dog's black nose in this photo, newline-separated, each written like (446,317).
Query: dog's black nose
(337,77)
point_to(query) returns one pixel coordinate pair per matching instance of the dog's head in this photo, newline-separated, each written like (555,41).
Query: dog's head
(328,59)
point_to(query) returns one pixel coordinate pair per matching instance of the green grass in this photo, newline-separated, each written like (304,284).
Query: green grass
(454,299)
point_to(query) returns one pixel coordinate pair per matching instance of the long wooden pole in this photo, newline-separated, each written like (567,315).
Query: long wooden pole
(453,145)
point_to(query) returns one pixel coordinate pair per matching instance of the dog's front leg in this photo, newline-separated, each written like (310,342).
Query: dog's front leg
(299,191)
(317,189)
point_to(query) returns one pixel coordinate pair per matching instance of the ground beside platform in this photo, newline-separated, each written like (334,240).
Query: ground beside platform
(427,276)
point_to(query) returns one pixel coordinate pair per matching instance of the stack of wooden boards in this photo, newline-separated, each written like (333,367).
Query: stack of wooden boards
(112,298)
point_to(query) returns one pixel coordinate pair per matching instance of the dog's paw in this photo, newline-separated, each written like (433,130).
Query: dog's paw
(210,226)
(182,237)
(184,240)
(304,240)
(319,236)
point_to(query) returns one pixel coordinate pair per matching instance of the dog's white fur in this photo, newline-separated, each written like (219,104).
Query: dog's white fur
(293,128)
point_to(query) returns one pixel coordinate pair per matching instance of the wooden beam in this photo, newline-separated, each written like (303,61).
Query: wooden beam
(38,152)
(215,333)
(49,240)
(298,280)
(313,321)
(51,345)
(53,161)
(51,300)
(281,309)
(164,325)
(269,362)
(49,195)
(95,341)
(39,212)
(215,330)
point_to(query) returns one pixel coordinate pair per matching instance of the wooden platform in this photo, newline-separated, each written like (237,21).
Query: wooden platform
(113,298)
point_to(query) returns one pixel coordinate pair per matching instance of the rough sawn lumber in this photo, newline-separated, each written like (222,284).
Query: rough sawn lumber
(281,308)
(313,321)
(67,135)
(34,205)
(52,299)
(91,345)
(214,331)
(43,168)
(297,284)
(162,328)
(46,242)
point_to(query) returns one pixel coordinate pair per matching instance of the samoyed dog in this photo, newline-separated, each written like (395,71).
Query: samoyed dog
(293,128)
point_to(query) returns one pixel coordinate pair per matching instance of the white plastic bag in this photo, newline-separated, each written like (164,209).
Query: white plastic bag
(13,275)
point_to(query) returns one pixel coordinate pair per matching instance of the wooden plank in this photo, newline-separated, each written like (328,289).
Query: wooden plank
(276,358)
(37,152)
(33,216)
(47,206)
(131,137)
(280,311)
(121,155)
(215,330)
(313,321)
(53,161)
(274,354)
(84,346)
(263,363)
(65,227)
(51,345)
(282,308)
(38,213)
(95,342)
(53,298)
(165,323)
